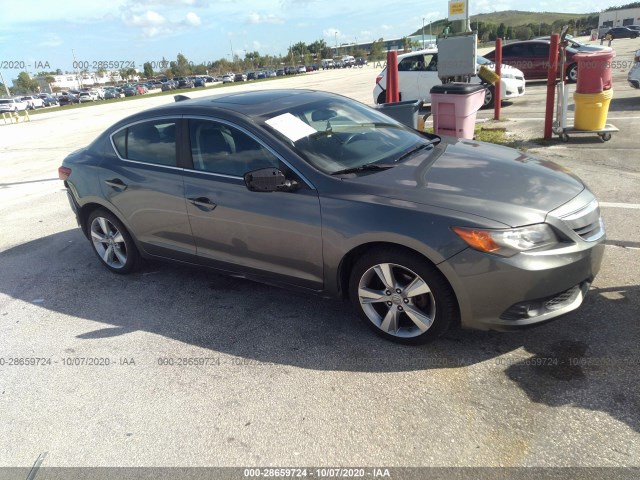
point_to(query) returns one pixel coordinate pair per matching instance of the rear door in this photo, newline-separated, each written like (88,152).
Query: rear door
(143,182)
(276,235)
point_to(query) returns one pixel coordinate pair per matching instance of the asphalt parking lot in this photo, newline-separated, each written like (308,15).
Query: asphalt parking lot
(177,367)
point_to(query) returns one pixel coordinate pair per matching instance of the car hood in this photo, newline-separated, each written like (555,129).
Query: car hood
(516,72)
(486,180)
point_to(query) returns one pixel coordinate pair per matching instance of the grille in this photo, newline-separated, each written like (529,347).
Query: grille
(586,222)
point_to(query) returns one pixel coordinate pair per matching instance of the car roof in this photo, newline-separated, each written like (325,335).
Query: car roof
(255,103)
(418,52)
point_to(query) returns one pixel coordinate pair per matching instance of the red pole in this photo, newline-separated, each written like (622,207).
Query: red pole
(497,89)
(551,85)
(392,77)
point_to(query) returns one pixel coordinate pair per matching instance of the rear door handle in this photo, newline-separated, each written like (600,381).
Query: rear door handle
(203,202)
(116,183)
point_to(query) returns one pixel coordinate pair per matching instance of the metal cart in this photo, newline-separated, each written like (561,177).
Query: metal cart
(560,127)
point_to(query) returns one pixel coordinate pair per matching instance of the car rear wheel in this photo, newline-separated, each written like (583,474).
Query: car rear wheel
(401,297)
(111,242)
(572,73)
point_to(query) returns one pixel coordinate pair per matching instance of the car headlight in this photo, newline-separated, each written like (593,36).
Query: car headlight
(508,242)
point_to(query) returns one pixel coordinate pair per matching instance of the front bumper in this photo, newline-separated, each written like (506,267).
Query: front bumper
(512,88)
(498,293)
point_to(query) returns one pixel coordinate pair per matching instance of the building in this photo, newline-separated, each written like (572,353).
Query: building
(619,18)
(388,45)
(75,81)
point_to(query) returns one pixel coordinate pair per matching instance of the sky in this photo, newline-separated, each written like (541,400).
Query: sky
(37,36)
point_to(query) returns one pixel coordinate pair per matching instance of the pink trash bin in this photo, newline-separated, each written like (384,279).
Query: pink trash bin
(454,107)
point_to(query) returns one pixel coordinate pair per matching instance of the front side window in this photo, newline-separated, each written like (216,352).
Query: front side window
(220,148)
(149,142)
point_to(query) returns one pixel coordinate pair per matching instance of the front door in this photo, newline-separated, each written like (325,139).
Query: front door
(277,235)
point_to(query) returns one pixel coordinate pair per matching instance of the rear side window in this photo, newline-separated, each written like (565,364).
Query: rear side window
(149,142)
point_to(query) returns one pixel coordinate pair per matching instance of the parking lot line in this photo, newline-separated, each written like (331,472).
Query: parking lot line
(632,206)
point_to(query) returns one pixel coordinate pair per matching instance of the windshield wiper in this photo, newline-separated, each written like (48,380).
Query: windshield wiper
(363,168)
(414,150)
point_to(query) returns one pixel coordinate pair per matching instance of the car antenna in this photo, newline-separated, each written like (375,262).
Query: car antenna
(180,98)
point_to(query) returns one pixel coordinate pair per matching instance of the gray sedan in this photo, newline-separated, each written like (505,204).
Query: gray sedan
(314,191)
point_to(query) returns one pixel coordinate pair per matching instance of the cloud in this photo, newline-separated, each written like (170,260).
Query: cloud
(331,33)
(153,24)
(256,18)
(51,40)
(192,19)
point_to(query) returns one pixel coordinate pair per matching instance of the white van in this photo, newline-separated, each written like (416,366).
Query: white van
(418,73)
(348,60)
(327,63)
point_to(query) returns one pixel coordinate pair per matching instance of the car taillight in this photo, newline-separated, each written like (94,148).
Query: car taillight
(64,173)
(378,78)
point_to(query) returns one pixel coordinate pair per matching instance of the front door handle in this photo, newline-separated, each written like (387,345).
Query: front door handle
(203,202)
(116,183)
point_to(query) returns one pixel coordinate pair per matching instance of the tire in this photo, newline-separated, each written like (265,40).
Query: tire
(489,97)
(572,73)
(382,98)
(111,242)
(401,296)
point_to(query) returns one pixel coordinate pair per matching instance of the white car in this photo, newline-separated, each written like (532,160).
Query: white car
(418,73)
(33,101)
(633,77)
(11,105)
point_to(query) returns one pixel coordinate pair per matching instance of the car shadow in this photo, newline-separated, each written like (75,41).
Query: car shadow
(594,348)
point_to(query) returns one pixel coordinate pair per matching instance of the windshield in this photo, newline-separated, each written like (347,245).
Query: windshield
(338,134)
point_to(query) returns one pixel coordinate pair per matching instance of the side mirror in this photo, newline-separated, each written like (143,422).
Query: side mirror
(268,180)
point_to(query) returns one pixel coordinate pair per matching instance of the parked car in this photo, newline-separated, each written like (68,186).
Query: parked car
(110,93)
(621,32)
(12,105)
(301,69)
(228,78)
(317,192)
(240,77)
(361,61)
(86,97)
(68,98)
(261,74)
(185,83)
(348,60)
(532,58)
(200,82)
(327,63)
(280,72)
(633,77)
(290,70)
(130,91)
(252,75)
(48,100)
(578,46)
(418,73)
(32,101)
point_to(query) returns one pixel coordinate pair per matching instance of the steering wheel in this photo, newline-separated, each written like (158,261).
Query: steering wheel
(354,137)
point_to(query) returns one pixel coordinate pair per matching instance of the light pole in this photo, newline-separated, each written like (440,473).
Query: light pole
(336,34)
(423,32)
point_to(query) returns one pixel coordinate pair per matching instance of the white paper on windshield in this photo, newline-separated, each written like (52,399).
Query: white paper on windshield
(290,126)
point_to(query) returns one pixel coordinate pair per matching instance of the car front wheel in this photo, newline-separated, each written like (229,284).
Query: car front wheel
(489,94)
(401,297)
(572,73)
(111,242)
